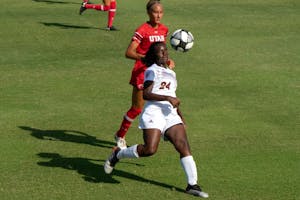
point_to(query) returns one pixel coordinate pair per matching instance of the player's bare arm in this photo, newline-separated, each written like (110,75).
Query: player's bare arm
(131,51)
(180,114)
(171,63)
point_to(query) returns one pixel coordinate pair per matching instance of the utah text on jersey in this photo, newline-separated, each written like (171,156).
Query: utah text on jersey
(156,38)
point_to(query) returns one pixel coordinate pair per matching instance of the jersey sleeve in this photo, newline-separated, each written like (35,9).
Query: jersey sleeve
(149,75)
(138,35)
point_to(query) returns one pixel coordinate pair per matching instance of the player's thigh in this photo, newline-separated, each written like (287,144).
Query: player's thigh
(107,2)
(177,136)
(151,136)
(137,98)
(151,140)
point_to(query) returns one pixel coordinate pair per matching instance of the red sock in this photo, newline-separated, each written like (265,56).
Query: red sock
(131,114)
(111,13)
(97,7)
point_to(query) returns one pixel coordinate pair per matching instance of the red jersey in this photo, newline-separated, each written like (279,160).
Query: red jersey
(145,35)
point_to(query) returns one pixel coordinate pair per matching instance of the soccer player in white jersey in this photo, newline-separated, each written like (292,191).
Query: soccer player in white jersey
(160,117)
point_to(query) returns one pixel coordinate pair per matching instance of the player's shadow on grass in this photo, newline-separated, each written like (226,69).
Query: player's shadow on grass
(66,26)
(93,172)
(67,136)
(58,2)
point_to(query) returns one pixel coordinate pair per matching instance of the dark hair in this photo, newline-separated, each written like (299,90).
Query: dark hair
(151,3)
(151,56)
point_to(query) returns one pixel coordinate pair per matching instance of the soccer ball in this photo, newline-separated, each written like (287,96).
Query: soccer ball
(182,40)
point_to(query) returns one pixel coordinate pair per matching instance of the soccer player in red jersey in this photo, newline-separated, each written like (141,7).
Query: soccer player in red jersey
(146,34)
(108,5)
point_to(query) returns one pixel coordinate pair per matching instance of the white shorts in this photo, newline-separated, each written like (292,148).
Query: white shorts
(157,118)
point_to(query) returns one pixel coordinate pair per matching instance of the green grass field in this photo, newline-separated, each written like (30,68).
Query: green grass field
(63,91)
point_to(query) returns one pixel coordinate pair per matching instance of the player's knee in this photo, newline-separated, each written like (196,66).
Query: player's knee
(149,151)
(181,144)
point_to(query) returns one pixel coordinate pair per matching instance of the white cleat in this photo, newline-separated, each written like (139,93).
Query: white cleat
(107,167)
(196,191)
(111,161)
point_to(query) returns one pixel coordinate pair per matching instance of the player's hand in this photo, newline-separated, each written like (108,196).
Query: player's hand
(171,64)
(174,101)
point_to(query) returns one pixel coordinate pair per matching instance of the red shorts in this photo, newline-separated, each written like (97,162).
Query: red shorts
(137,75)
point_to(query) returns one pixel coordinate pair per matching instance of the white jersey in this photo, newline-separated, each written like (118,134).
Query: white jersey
(164,82)
(160,114)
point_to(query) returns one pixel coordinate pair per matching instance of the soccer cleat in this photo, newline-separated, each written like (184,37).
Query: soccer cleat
(196,191)
(82,7)
(111,161)
(112,28)
(121,142)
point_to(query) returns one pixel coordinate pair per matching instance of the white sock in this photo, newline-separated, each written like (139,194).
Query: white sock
(130,152)
(190,169)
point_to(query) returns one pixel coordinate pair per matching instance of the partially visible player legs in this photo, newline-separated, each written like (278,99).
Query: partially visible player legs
(108,5)
(177,136)
(131,114)
(129,117)
(151,141)
(86,5)
(111,16)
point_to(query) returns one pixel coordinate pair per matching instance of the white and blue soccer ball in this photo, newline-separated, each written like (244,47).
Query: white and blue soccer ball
(182,40)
